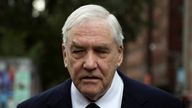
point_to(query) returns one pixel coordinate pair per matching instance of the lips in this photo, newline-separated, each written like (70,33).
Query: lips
(90,79)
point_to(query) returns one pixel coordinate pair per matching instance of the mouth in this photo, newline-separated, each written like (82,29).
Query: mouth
(90,79)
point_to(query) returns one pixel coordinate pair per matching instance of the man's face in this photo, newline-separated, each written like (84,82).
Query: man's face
(92,56)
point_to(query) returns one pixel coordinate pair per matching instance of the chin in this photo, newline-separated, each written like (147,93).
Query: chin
(92,97)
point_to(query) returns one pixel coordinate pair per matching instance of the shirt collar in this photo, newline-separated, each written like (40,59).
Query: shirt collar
(112,98)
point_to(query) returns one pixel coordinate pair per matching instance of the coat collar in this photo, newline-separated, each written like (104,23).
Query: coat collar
(134,94)
(62,96)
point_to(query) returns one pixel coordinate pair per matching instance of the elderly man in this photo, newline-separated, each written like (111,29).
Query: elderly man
(92,50)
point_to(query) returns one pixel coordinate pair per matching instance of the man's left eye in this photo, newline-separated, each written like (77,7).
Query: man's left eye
(102,51)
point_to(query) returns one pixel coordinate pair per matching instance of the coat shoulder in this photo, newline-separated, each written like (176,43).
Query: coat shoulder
(148,96)
(49,96)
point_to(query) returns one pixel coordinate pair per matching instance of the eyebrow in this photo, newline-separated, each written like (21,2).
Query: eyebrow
(76,45)
(100,45)
(103,46)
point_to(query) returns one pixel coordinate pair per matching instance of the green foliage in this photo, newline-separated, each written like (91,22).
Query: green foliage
(40,38)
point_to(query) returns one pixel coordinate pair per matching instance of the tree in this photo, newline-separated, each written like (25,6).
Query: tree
(39,37)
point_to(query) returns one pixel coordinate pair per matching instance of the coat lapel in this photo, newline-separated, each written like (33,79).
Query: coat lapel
(133,94)
(62,97)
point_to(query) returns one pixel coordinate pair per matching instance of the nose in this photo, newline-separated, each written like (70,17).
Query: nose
(90,62)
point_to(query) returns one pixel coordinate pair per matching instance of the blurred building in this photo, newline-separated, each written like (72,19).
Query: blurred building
(162,53)
(156,56)
(187,49)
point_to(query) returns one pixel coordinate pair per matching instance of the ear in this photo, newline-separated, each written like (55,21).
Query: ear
(64,55)
(120,59)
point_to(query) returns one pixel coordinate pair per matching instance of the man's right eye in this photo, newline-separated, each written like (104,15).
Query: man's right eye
(77,51)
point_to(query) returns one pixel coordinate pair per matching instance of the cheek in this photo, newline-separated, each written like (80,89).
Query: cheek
(108,64)
(71,61)
(107,67)
(74,68)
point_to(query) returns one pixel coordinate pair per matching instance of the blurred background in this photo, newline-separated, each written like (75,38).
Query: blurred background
(158,44)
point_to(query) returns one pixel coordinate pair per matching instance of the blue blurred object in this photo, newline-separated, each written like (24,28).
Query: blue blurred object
(5,88)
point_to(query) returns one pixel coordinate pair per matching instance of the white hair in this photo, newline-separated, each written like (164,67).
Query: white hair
(93,12)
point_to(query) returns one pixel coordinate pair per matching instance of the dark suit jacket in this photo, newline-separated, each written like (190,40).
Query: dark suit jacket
(135,95)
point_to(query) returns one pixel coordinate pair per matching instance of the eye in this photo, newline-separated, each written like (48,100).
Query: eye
(77,51)
(102,50)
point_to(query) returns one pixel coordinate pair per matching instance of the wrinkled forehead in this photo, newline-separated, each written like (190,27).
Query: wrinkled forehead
(91,31)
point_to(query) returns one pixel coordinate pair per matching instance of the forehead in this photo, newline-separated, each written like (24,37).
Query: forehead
(91,30)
